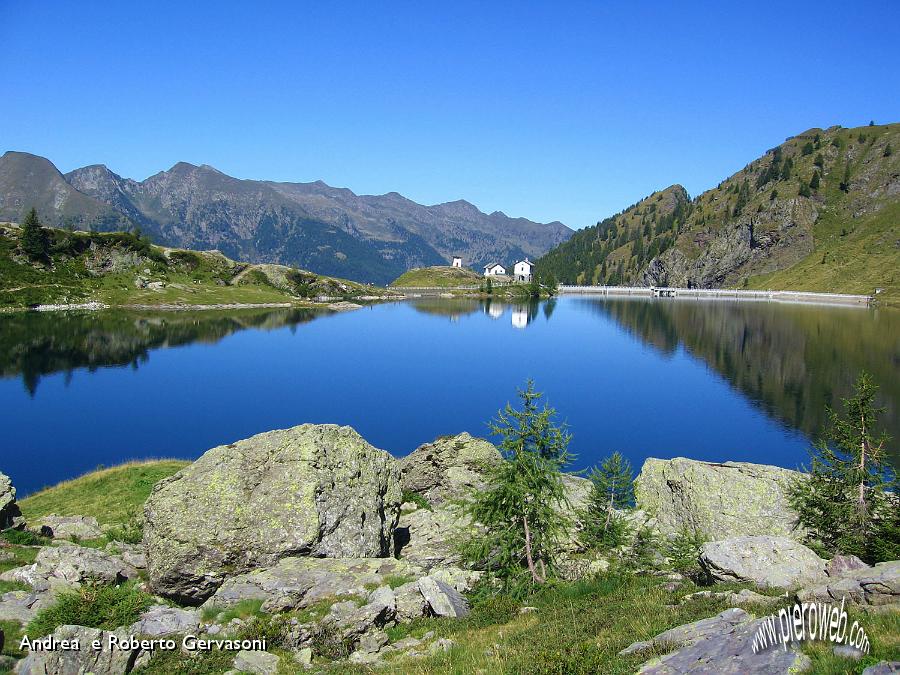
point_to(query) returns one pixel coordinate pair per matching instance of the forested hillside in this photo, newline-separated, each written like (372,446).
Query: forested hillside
(818,212)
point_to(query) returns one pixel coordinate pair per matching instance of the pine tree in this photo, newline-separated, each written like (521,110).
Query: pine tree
(814,181)
(612,489)
(887,150)
(520,508)
(34,241)
(845,501)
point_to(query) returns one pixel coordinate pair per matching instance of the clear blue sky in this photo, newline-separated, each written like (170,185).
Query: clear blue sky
(566,111)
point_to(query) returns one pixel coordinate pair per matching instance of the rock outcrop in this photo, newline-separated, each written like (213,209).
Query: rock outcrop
(718,500)
(318,490)
(84,659)
(294,583)
(768,562)
(66,566)
(721,644)
(877,586)
(10,515)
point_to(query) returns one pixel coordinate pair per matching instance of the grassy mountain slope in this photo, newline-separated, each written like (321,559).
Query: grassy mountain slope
(440,276)
(818,212)
(120,268)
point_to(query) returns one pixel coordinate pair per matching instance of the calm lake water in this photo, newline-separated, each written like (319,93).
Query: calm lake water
(718,381)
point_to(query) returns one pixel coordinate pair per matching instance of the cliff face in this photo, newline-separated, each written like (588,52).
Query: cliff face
(817,213)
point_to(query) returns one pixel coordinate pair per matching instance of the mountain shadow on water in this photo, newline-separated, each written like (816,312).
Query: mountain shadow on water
(34,344)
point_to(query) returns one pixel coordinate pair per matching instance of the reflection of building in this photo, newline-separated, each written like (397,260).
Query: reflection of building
(494,270)
(523,270)
(495,310)
(457,261)
(519,317)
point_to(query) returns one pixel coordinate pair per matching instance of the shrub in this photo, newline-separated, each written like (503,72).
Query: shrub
(683,552)
(417,499)
(24,538)
(106,607)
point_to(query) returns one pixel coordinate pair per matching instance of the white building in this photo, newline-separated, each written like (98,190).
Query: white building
(494,270)
(523,270)
(457,261)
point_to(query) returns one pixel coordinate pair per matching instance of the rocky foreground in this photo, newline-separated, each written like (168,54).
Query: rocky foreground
(345,542)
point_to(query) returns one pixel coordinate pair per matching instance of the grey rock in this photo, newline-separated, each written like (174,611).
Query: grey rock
(693,632)
(411,603)
(847,652)
(883,668)
(726,649)
(70,565)
(443,599)
(72,527)
(769,562)
(744,596)
(877,586)
(10,515)
(719,500)
(20,606)
(428,537)
(840,565)
(318,490)
(84,660)
(162,620)
(372,642)
(256,662)
(304,656)
(294,583)
(449,468)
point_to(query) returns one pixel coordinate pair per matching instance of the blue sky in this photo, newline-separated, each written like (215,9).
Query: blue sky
(568,111)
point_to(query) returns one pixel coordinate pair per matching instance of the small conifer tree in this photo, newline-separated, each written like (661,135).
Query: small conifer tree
(34,242)
(845,502)
(612,489)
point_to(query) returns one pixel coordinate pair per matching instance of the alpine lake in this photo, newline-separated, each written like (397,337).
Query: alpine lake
(710,380)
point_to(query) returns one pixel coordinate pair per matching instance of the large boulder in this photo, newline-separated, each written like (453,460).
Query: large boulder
(449,468)
(317,490)
(877,586)
(768,562)
(718,500)
(10,515)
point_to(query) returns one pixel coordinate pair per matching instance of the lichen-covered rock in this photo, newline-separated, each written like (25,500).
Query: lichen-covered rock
(769,562)
(877,586)
(883,668)
(841,565)
(256,662)
(318,490)
(161,620)
(83,660)
(10,515)
(69,566)
(721,644)
(449,468)
(72,527)
(717,500)
(429,537)
(294,583)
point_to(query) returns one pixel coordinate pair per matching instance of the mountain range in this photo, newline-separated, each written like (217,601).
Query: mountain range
(333,231)
(820,211)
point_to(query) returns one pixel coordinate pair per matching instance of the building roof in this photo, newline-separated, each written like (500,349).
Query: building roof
(526,261)
(490,265)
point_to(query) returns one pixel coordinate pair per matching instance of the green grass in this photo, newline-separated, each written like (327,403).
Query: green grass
(20,555)
(242,610)
(439,276)
(106,607)
(112,495)
(187,277)
(855,262)
(415,498)
(580,628)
